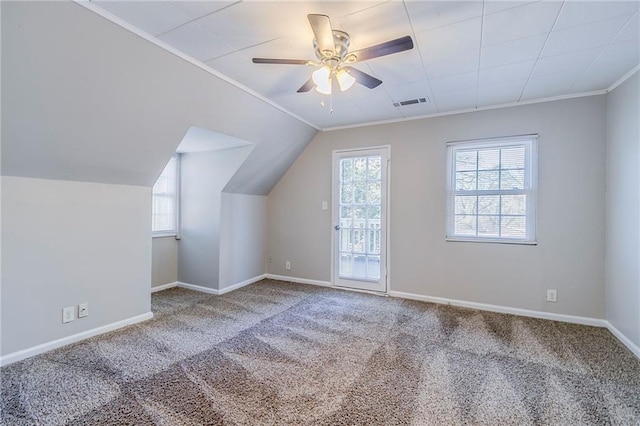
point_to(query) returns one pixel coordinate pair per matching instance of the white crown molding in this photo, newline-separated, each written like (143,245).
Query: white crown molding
(124,24)
(624,78)
(46,347)
(467,110)
(148,37)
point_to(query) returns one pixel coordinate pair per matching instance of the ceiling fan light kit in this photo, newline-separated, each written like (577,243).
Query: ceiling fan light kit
(332,50)
(322,78)
(345,80)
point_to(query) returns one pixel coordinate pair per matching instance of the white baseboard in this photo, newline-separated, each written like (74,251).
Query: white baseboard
(164,286)
(624,339)
(595,322)
(222,290)
(241,284)
(298,280)
(503,309)
(199,288)
(46,347)
(440,300)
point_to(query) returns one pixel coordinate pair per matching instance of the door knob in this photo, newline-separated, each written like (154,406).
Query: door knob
(337,227)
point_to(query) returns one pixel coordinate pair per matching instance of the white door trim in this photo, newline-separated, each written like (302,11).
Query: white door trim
(335,219)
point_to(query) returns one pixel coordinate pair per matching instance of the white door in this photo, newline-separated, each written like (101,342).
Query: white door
(360,218)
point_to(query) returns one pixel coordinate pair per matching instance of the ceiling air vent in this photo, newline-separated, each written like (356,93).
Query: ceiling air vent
(410,102)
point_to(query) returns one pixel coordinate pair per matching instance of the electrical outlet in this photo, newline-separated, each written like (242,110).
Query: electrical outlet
(552,296)
(287,265)
(68,314)
(325,205)
(83,310)
(270,259)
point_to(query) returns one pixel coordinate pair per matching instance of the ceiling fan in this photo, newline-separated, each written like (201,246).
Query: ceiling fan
(334,59)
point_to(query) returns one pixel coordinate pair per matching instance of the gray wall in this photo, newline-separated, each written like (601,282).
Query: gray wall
(623,208)
(65,243)
(164,261)
(78,92)
(85,100)
(569,256)
(203,175)
(242,243)
(243,238)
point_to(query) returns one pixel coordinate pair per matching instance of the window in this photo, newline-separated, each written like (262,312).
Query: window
(165,201)
(492,190)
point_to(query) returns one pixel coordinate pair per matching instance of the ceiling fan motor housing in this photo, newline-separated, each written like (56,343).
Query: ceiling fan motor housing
(333,59)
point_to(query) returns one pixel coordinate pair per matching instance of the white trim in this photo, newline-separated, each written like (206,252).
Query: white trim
(595,322)
(624,78)
(502,141)
(164,234)
(221,291)
(298,280)
(241,284)
(46,347)
(146,36)
(624,339)
(199,288)
(503,309)
(464,111)
(164,287)
(363,148)
(529,190)
(127,26)
(178,195)
(336,155)
(360,290)
(454,239)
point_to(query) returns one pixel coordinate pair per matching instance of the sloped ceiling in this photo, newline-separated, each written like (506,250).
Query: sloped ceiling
(84,99)
(466,55)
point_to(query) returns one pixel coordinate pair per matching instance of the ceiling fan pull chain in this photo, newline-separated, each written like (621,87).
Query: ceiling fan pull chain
(321,100)
(331,101)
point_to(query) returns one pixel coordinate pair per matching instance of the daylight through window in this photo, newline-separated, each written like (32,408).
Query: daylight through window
(492,190)
(165,200)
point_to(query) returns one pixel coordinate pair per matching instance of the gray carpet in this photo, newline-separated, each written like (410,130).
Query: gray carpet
(281,353)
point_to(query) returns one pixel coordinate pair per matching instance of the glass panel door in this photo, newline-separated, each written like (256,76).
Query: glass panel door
(360,194)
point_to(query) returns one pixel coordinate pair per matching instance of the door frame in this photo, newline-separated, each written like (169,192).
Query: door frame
(335,201)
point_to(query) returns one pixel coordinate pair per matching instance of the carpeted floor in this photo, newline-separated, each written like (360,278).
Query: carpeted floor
(281,353)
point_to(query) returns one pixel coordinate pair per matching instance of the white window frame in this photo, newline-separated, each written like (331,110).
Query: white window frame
(176,231)
(530,142)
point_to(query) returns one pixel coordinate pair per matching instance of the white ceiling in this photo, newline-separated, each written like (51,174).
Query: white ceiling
(198,139)
(467,54)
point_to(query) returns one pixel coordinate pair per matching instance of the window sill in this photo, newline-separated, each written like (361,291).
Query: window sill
(490,240)
(164,235)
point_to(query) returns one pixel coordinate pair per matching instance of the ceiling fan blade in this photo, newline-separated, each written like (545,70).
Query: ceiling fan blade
(307,86)
(280,61)
(363,78)
(387,48)
(321,26)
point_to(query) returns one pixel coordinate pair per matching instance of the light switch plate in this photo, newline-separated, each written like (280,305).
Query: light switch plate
(68,314)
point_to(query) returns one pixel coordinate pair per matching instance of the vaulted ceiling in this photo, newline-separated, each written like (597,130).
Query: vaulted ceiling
(85,100)
(467,54)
